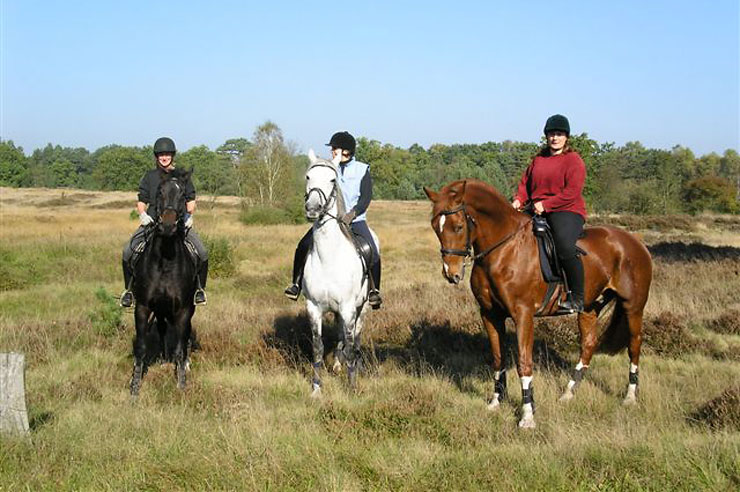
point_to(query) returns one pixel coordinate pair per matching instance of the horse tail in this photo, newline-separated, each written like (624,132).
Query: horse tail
(616,335)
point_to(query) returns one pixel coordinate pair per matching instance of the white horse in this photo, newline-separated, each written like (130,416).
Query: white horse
(333,278)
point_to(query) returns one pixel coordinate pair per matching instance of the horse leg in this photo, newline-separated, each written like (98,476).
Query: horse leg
(525,343)
(495,325)
(587,327)
(351,335)
(314,315)
(634,321)
(181,324)
(141,318)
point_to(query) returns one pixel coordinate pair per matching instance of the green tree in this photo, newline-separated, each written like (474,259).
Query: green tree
(729,168)
(212,172)
(710,193)
(121,168)
(13,165)
(266,166)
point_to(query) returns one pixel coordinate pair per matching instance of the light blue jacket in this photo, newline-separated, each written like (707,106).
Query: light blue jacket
(350,181)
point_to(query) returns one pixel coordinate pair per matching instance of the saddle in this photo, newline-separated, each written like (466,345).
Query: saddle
(552,272)
(365,251)
(141,246)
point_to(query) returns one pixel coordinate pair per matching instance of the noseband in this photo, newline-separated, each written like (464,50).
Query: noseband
(322,196)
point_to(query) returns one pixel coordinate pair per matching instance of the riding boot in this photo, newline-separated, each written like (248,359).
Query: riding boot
(373,297)
(127,297)
(200,294)
(573,268)
(299,260)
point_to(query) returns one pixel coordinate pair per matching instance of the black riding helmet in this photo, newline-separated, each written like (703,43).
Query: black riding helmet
(344,141)
(557,122)
(164,144)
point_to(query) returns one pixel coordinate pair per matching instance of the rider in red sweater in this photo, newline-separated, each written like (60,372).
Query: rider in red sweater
(553,182)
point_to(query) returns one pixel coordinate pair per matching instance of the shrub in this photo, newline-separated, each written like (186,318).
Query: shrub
(106,317)
(267,215)
(221,261)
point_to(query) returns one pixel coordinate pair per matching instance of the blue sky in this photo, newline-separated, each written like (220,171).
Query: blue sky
(88,74)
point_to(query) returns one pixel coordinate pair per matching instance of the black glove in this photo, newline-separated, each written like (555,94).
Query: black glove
(349,217)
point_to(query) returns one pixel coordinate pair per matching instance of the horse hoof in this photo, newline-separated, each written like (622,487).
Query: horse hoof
(337,367)
(629,400)
(316,393)
(527,423)
(493,405)
(566,397)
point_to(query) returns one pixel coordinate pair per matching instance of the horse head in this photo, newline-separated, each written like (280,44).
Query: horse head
(321,186)
(171,201)
(454,228)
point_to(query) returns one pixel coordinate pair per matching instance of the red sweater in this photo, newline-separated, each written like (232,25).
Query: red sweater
(556,181)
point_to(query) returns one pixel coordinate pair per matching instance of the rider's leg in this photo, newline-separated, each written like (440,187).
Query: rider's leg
(566,228)
(299,260)
(360,227)
(202,278)
(127,297)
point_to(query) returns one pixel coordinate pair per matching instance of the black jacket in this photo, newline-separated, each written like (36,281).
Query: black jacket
(149,189)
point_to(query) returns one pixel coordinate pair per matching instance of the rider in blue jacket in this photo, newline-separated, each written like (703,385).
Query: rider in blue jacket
(357,189)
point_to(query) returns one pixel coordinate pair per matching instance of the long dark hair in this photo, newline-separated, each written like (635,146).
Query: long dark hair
(545,149)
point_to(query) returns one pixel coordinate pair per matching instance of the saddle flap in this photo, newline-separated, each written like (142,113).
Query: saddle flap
(364,249)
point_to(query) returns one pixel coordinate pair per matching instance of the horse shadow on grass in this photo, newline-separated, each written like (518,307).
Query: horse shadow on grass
(433,347)
(692,252)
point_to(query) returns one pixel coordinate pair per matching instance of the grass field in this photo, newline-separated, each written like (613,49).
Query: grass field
(419,420)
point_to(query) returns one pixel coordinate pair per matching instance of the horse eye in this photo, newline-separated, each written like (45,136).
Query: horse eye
(458,228)
(333,180)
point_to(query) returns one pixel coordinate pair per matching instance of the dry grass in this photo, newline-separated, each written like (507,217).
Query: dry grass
(419,420)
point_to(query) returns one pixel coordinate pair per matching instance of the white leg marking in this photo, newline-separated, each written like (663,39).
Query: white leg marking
(631,397)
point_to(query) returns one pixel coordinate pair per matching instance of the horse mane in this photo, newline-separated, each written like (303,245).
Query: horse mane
(481,196)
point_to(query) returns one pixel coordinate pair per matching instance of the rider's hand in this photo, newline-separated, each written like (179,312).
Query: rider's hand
(539,209)
(145,219)
(349,217)
(516,204)
(188,221)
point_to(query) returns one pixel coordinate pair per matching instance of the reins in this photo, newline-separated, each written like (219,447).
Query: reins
(468,252)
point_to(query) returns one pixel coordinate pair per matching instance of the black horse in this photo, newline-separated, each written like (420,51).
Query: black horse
(164,284)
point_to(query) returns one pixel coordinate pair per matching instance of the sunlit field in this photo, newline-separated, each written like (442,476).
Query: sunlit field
(418,420)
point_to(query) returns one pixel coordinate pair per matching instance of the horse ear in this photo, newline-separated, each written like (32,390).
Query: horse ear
(312,156)
(433,195)
(336,159)
(457,192)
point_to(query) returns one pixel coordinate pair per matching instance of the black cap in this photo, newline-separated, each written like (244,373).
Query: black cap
(557,122)
(164,144)
(343,140)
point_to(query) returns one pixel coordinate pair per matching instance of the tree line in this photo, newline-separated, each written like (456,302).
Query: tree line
(266,171)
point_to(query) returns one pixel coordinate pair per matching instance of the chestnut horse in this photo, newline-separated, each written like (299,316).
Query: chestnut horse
(473,221)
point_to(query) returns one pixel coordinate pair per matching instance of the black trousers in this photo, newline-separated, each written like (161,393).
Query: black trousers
(304,245)
(567,227)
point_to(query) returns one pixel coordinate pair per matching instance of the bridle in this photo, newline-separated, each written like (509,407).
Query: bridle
(177,208)
(468,254)
(327,200)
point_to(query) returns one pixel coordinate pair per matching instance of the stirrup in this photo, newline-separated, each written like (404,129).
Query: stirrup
(200,298)
(127,299)
(571,305)
(374,299)
(292,292)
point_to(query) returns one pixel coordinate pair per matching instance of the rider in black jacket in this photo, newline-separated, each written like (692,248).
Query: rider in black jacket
(146,206)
